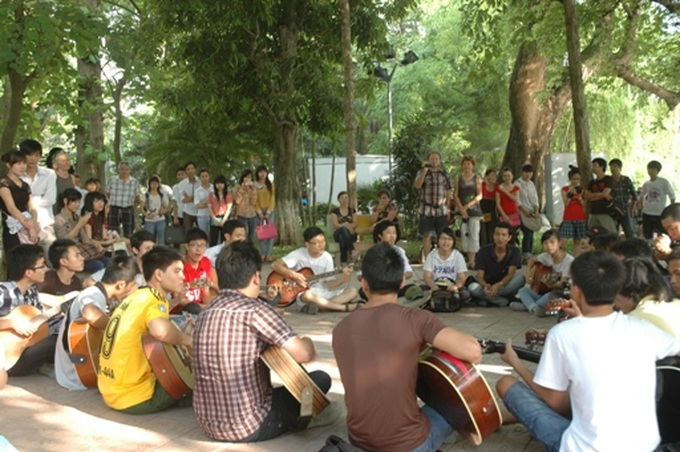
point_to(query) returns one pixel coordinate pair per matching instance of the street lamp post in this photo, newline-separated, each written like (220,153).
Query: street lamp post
(386,76)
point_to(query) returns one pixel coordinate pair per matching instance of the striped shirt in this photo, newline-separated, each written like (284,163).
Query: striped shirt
(233,391)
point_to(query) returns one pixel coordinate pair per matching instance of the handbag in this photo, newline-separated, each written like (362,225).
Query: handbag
(175,235)
(536,223)
(514,220)
(90,251)
(266,231)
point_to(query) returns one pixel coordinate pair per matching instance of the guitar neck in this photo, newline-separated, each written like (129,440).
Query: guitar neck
(499,347)
(314,278)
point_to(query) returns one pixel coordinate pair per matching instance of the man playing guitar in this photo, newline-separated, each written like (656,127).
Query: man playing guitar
(377,349)
(233,396)
(126,380)
(26,269)
(326,294)
(93,305)
(580,397)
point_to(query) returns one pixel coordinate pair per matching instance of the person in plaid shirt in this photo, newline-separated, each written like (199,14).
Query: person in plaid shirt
(624,196)
(233,395)
(123,194)
(435,188)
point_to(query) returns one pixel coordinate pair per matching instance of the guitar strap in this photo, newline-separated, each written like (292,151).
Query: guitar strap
(76,359)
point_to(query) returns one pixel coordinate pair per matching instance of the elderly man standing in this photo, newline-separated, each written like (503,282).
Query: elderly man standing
(123,194)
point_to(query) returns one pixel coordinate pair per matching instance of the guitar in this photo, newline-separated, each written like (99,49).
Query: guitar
(458,391)
(15,344)
(295,378)
(543,274)
(171,363)
(489,346)
(84,342)
(289,289)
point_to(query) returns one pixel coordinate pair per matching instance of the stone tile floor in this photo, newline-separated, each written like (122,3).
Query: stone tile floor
(38,415)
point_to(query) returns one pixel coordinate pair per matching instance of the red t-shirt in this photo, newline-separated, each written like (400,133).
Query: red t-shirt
(574,210)
(191,274)
(489,194)
(508,205)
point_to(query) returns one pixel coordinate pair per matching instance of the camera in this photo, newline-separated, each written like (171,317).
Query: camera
(428,165)
(578,189)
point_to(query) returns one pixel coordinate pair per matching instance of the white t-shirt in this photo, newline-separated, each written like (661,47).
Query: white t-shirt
(189,188)
(448,268)
(608,366)
(404,257)
(154,203)
(201,195)
(177,197)
(563,268)
(44,194)
(64,368)
(655,196)
(300,258)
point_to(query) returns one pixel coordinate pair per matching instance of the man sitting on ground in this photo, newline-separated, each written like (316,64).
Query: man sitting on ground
(93,306)
(327,294)
(377,350)
(577,400)
(664,244)
(126,380)
(66,260)
(141,243)
(497,263)
(27,269)
(234,399)
(200,277)
(233,231)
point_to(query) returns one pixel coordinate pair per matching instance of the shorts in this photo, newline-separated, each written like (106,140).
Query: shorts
(432,225)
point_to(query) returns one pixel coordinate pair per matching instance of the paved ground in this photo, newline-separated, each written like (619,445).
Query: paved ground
(39,415)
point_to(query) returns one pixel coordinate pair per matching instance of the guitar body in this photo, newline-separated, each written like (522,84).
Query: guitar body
(84,342)
(541,274)
(294,377)
(171,364)
(288,288)
(15,344)
(459,392)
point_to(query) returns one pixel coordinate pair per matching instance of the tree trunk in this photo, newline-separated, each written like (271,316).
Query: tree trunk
(287,191)
(350,120)
(533,123)
(15,104)
(118,125)
(583,155)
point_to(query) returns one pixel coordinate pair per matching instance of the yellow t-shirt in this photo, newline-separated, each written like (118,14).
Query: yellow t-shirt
(663,314)
(265,199)
(125,376)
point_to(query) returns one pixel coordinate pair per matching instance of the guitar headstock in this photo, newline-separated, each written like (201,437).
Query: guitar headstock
(534,338)
(554,306)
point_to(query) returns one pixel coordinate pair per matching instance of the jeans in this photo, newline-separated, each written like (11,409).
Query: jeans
(544,423)
(157,228)
(627,225)
(531,299)
(267,245)
(94,265)
(285,413)
(346,240)
(527,240)
(439,431)
(35,356)
(251,224)
(504,295)
(203,222)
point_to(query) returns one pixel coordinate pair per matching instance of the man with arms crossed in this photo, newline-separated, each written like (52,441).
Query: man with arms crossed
(580,397)
(233,398)
(126,381)
(377,350)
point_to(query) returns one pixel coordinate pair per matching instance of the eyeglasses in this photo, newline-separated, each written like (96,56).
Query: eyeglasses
(197,246)
(39,267)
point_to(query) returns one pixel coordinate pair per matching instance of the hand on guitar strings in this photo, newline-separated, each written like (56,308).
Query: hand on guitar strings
(23,327)
(299,279)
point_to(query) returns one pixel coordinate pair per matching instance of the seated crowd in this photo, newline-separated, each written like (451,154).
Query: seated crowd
(212,303)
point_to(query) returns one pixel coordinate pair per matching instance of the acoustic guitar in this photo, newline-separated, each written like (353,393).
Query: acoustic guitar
(84,342)
(295,378)
(15,344)
(543,274)
(289,289)
(171,363)
(458,391)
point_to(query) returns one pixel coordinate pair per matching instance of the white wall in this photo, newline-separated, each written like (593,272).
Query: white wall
(369,169)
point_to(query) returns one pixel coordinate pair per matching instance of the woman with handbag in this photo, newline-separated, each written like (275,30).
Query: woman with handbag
(19,219)
(69,225)
(220,202)
(246,203)
(265,211)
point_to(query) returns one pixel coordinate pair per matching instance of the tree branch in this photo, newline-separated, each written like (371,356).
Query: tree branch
(672,99)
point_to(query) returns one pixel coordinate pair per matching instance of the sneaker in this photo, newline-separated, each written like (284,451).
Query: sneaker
(538,311)
(517,306)
(312,308)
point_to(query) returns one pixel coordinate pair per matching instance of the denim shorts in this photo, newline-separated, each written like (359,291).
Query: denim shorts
(542,421)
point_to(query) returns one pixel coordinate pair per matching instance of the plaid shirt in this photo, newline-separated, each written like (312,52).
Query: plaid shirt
(122,193)
(623,191)
(433,193)
(11,297)
(233,391)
